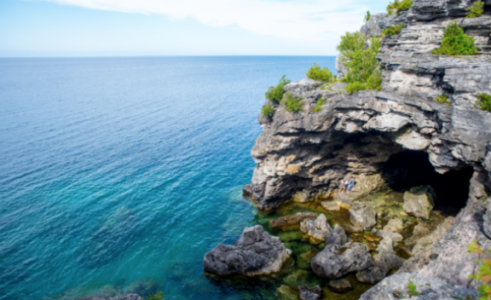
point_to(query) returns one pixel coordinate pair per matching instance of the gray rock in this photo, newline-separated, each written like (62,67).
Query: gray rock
(385,260)
(310,293)
(487,220)
(372,27)
(362,215)
(317,231)
(427,287)
(340,285)
(255,253)
(337,237)
(335,261)
(396,237)
(330,205)
(419,201)
(394,225)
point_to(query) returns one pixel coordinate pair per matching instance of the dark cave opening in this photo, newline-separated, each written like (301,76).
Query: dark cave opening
(409,168)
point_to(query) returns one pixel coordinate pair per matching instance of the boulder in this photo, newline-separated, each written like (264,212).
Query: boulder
(337,236)
(256,252)
(427,287)
(419,201)
(396,237)
(310,293)
(340,285)
(286,222)
(317,231)
(302,197)
(385,260)
(331,205)
(362,215)
(394,225)
(335,261)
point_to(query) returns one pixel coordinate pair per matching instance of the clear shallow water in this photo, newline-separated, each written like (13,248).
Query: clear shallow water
(118,170)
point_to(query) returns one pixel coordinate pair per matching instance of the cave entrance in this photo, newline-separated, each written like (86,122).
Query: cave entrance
(408,169)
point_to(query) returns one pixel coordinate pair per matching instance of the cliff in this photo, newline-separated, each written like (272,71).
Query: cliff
(305,155)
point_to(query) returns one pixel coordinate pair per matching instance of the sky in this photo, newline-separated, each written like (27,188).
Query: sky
(50,28)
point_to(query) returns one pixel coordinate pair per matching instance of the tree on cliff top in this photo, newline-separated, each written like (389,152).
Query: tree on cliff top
(456,42)
(358,55)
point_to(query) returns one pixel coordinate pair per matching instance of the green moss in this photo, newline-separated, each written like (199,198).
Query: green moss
(267,110)
(476,9)
(456,42)
(318,105)
(398,6)
(303,260)
(443,99)
(484,102)
(291,103)
(396,29)
(275,94)
(316,73)
(290,236)
(285,292)
(411,289)
(157,296)
(360,61)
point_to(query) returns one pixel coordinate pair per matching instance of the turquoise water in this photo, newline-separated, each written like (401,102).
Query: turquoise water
(119,170)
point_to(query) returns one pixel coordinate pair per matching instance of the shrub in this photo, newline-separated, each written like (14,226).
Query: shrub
(399,6)
(291,103)
(267,110)
(396,29)
(275,94)
(476,9)
(443,99)
(484,102)
(483,274)
(157,296)
(456,42)
(411,289)
(318,105)
(360,61)
(367,16)
(316,73)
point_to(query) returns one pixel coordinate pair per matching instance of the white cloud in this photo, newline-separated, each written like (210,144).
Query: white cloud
(310,21)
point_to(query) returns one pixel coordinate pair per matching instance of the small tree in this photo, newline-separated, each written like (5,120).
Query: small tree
(316,73)
(291,103)
(367,16)
(275,94)
(398,6)
(396,29)
(483,273)
(476,9)
(318,105)
(456,42)
(267,110)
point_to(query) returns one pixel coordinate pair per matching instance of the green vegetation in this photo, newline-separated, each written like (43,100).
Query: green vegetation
(396,29)
(411,289)
(456,42)
(360,61)
(367,16)
(476,9)
(484,102)
(318,105)
(483,274)
(267,110)
(157,296)
(443,99)
(399,6)
(275,94)
(291,103)
(316,73)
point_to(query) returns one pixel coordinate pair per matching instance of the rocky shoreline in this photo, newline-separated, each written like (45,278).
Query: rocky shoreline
(422,170)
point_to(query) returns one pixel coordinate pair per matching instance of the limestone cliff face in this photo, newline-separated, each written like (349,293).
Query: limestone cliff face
(306,154)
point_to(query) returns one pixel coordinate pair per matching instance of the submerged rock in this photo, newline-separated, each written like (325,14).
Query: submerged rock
(419,201)
(317,231)
(331,205)
(287,221)
(310,293)
(335,261)
(362,215)
(304,259)
(285,292)
(340,285)
(256,252)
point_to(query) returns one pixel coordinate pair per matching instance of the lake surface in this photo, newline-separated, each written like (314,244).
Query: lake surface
(117,172)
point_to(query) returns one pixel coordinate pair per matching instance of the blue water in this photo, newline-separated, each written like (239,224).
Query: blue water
(118,170)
